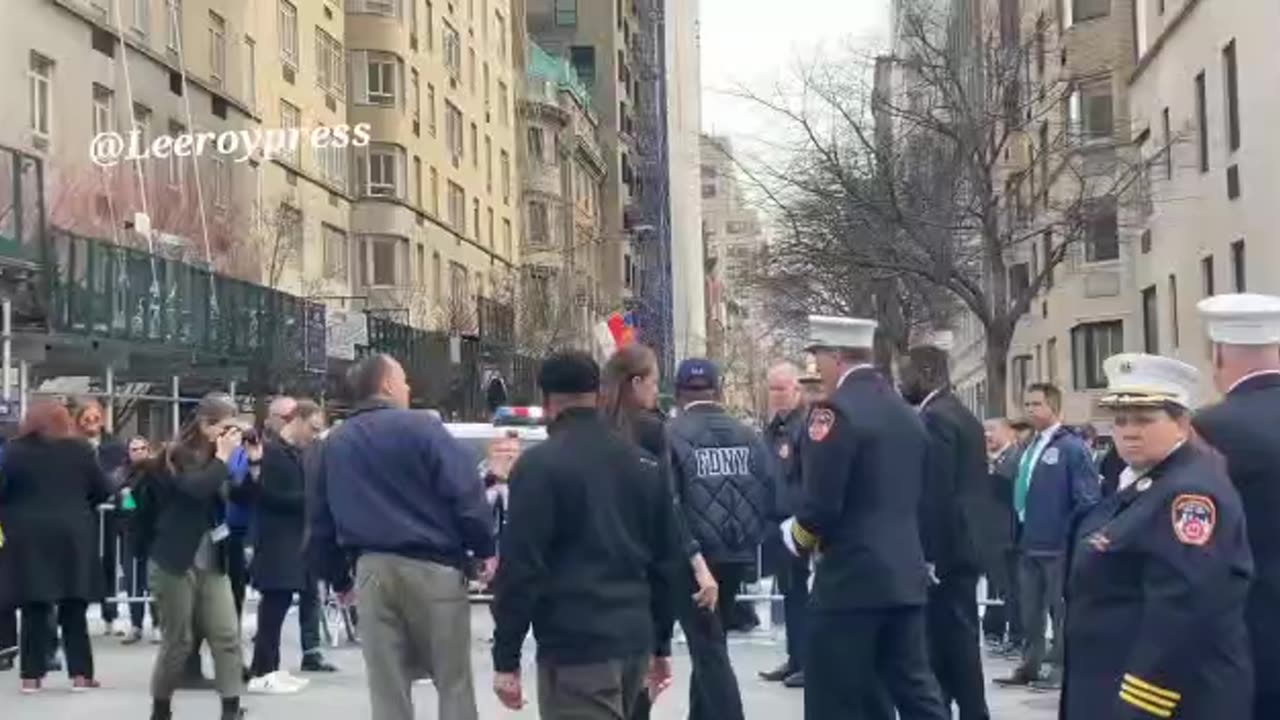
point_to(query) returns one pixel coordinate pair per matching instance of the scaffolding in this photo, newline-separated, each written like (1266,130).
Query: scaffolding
(649,213)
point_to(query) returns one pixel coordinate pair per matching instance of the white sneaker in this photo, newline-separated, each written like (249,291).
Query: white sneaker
(271,685)
(286,679)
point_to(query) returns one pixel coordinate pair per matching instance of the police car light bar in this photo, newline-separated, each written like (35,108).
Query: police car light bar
(518,415)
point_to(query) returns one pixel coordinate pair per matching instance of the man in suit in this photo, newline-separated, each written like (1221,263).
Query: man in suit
(949,513)
(1001,624)
(1245,427)
(1055,485)
(863,465)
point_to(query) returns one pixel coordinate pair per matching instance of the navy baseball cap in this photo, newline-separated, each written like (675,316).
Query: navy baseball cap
(697,374)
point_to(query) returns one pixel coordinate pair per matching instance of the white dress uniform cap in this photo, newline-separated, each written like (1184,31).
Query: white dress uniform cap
(826,331)
(1242,318)
(1138,379)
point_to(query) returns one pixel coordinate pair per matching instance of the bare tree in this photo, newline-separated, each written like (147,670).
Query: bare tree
(929,178)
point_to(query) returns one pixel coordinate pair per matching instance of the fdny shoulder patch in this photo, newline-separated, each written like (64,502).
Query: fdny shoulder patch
(820,422)
(784,451)
(1194,517)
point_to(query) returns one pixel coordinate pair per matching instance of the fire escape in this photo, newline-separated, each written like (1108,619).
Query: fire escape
(648,218)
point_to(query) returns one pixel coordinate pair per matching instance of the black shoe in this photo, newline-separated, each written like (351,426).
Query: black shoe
(795,680)
(1019,678)
(6,663)
(778,674)
(315,663)
(1049,684)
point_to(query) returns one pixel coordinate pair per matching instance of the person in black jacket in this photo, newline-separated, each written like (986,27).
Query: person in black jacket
(724,480)
(864,462)
(279,499)
(783,435)
(589,557)
(950,510)
(50,487)
(182,522)
(112,458)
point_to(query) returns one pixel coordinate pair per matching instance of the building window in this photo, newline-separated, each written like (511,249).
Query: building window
(493,239)
(431,109)
(383,169)
(475,218)
(1175,333)
(288,229)
(488,164)
(388,8)
(505,164)
(1020,376)
(1019,278)
(504,108)
(437,278)
(1051,359)
(40,96)
(475,146)
(251,82)
(506,238)
(453,132)
(1091,110)
(459,294)
(457,208)
(1150,321)
(1237,266)
(1091,345)
(217,49)
(536,150)
(471,69)
(142,17)
(429,19)
(175,174)
(1102,231)
(381,74)
(104,111)
(288,29)
(290,119)
(502,36)
(1082,10)
(417,182)
(383,265)
(420,265)
(1206,277)
(1230,83)
(331,73)
(336,253)
(333,165)
(1202,123)
(566,13)
(173,24)
(452,52)
(221,180)
(539,224)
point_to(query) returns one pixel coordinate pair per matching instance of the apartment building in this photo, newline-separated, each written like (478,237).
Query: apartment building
(437,214)
(1203,103)
(1069,172)
(564,172)
(183,67)
(681,66)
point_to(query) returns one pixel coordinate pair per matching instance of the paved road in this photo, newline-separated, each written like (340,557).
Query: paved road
(124,673)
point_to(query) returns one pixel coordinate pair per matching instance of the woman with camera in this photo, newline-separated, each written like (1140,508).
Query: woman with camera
(183,521)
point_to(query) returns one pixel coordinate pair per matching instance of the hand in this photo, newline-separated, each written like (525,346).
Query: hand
(708,590)
(488,568)
(253,451)
(659,677)
(507,687)
(933,574)
(227,442)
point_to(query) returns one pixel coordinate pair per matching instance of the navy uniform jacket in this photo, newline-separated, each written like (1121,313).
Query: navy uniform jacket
(863,462)
(1245,427)
(954,486)
(1156,594)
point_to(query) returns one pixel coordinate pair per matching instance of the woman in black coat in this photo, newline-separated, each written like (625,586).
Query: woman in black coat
(50,487)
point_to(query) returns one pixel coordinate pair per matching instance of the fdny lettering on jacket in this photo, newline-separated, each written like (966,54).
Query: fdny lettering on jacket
(723,462)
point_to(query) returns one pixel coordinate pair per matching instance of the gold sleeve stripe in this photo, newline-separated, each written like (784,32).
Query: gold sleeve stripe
(1156,689)
(1150,697)
(1145,706)
(803,537)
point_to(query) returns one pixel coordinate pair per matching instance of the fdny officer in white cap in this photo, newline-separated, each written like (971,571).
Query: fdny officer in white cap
(863,462)
(1245,427)
(1160,571)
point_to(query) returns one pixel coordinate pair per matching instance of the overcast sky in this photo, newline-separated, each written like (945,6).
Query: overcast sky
(754,43)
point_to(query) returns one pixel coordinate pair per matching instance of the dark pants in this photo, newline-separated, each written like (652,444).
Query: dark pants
(137,585)
(713,687)
(1003,622)
(1040,582)
(1266,705)
(309,618)
(272,609)
(38,639)
(600,691)
(111,538)
(954,649)
(795,604)
(857,656)
(8,629)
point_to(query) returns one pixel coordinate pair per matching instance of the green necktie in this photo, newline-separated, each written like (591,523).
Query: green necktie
(1023,485)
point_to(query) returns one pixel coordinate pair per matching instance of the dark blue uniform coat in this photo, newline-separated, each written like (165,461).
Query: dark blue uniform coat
(1159,576)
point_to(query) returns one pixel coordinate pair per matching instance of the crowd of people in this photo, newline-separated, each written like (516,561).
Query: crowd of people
(1137,579)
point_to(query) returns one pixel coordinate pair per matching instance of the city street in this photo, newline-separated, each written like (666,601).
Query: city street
(124,673)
